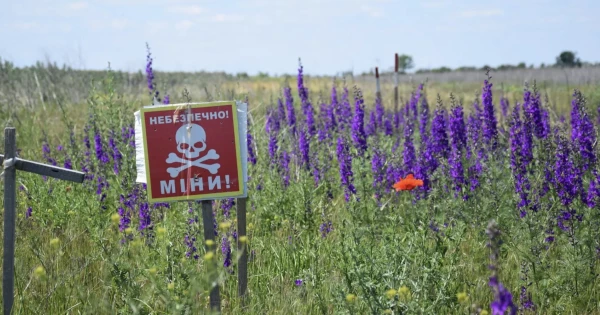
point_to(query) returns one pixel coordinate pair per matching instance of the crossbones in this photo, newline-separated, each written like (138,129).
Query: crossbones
(212,168)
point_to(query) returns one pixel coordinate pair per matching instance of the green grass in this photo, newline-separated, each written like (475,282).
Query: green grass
(373,247)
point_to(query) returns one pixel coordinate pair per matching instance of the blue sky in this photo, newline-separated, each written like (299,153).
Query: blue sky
(269,35)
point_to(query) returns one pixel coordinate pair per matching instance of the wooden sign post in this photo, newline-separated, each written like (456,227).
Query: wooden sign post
(193,151)
(396,83)
(11,164)
(378,90)
(242,247)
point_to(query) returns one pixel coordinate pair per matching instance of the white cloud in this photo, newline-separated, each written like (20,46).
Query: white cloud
(119,24)
(77,6)
(187,10)
(184,25)
(481,13)
(371,11)
(227,18)
(434,4)
(26,26)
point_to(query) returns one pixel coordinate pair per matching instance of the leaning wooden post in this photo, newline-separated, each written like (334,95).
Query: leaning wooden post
(378,91)
(209,234)
(11,163)
(10,177)
(242,248)
(396,83)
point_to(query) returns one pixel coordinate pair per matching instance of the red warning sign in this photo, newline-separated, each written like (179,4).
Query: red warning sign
(192,151)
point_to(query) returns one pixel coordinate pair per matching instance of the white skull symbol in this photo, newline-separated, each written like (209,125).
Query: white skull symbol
(191,140)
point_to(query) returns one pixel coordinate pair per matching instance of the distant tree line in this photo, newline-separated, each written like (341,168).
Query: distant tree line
(566,59)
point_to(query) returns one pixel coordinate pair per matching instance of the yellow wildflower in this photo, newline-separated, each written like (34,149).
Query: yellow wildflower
(244,239)
(210,243)
(483,312)
(462,297)
(171,286)
(54,242)
(350,298)
(404,292)
(391,293)
(115,218)
(39,272)
(209,256)
(224,226)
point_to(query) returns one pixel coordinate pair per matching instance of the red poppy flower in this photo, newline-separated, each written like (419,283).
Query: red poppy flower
(409,183)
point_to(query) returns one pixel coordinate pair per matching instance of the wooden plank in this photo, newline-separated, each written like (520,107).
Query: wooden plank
(209,234)
(48,170)
(10,194)
(378,87)
(396,84)
(243,262)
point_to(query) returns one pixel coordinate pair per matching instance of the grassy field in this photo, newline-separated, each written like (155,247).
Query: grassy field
(526,203)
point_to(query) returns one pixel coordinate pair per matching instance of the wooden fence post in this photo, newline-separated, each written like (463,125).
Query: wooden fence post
(396,83)
(209,234)
(11,163)
(242,247)
(378,90)
(10,192)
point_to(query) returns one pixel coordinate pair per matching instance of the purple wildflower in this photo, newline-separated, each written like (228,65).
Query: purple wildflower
(408,155)
(504,106)
(226,251)
(533,110)
(28,212)
(358,124)
(525,299)
(503,297)
(438,132)
(424,118)
(125,219)
(457,130)
(226,205)
(115,153)
(377,167)
(490,131)
(379,112)
(414,101)
(285,166)
(144,215)
(371,127)
(519,168)
(280,110)
(100,154)
(304,145)
(273,146)
(345,163)
(251,156)
(583,132)
(289,103)
(150,75)
(325,228)
(190,242)
(388,129)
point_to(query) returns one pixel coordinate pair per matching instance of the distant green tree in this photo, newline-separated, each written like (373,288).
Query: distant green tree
(405,62)
(568,59)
